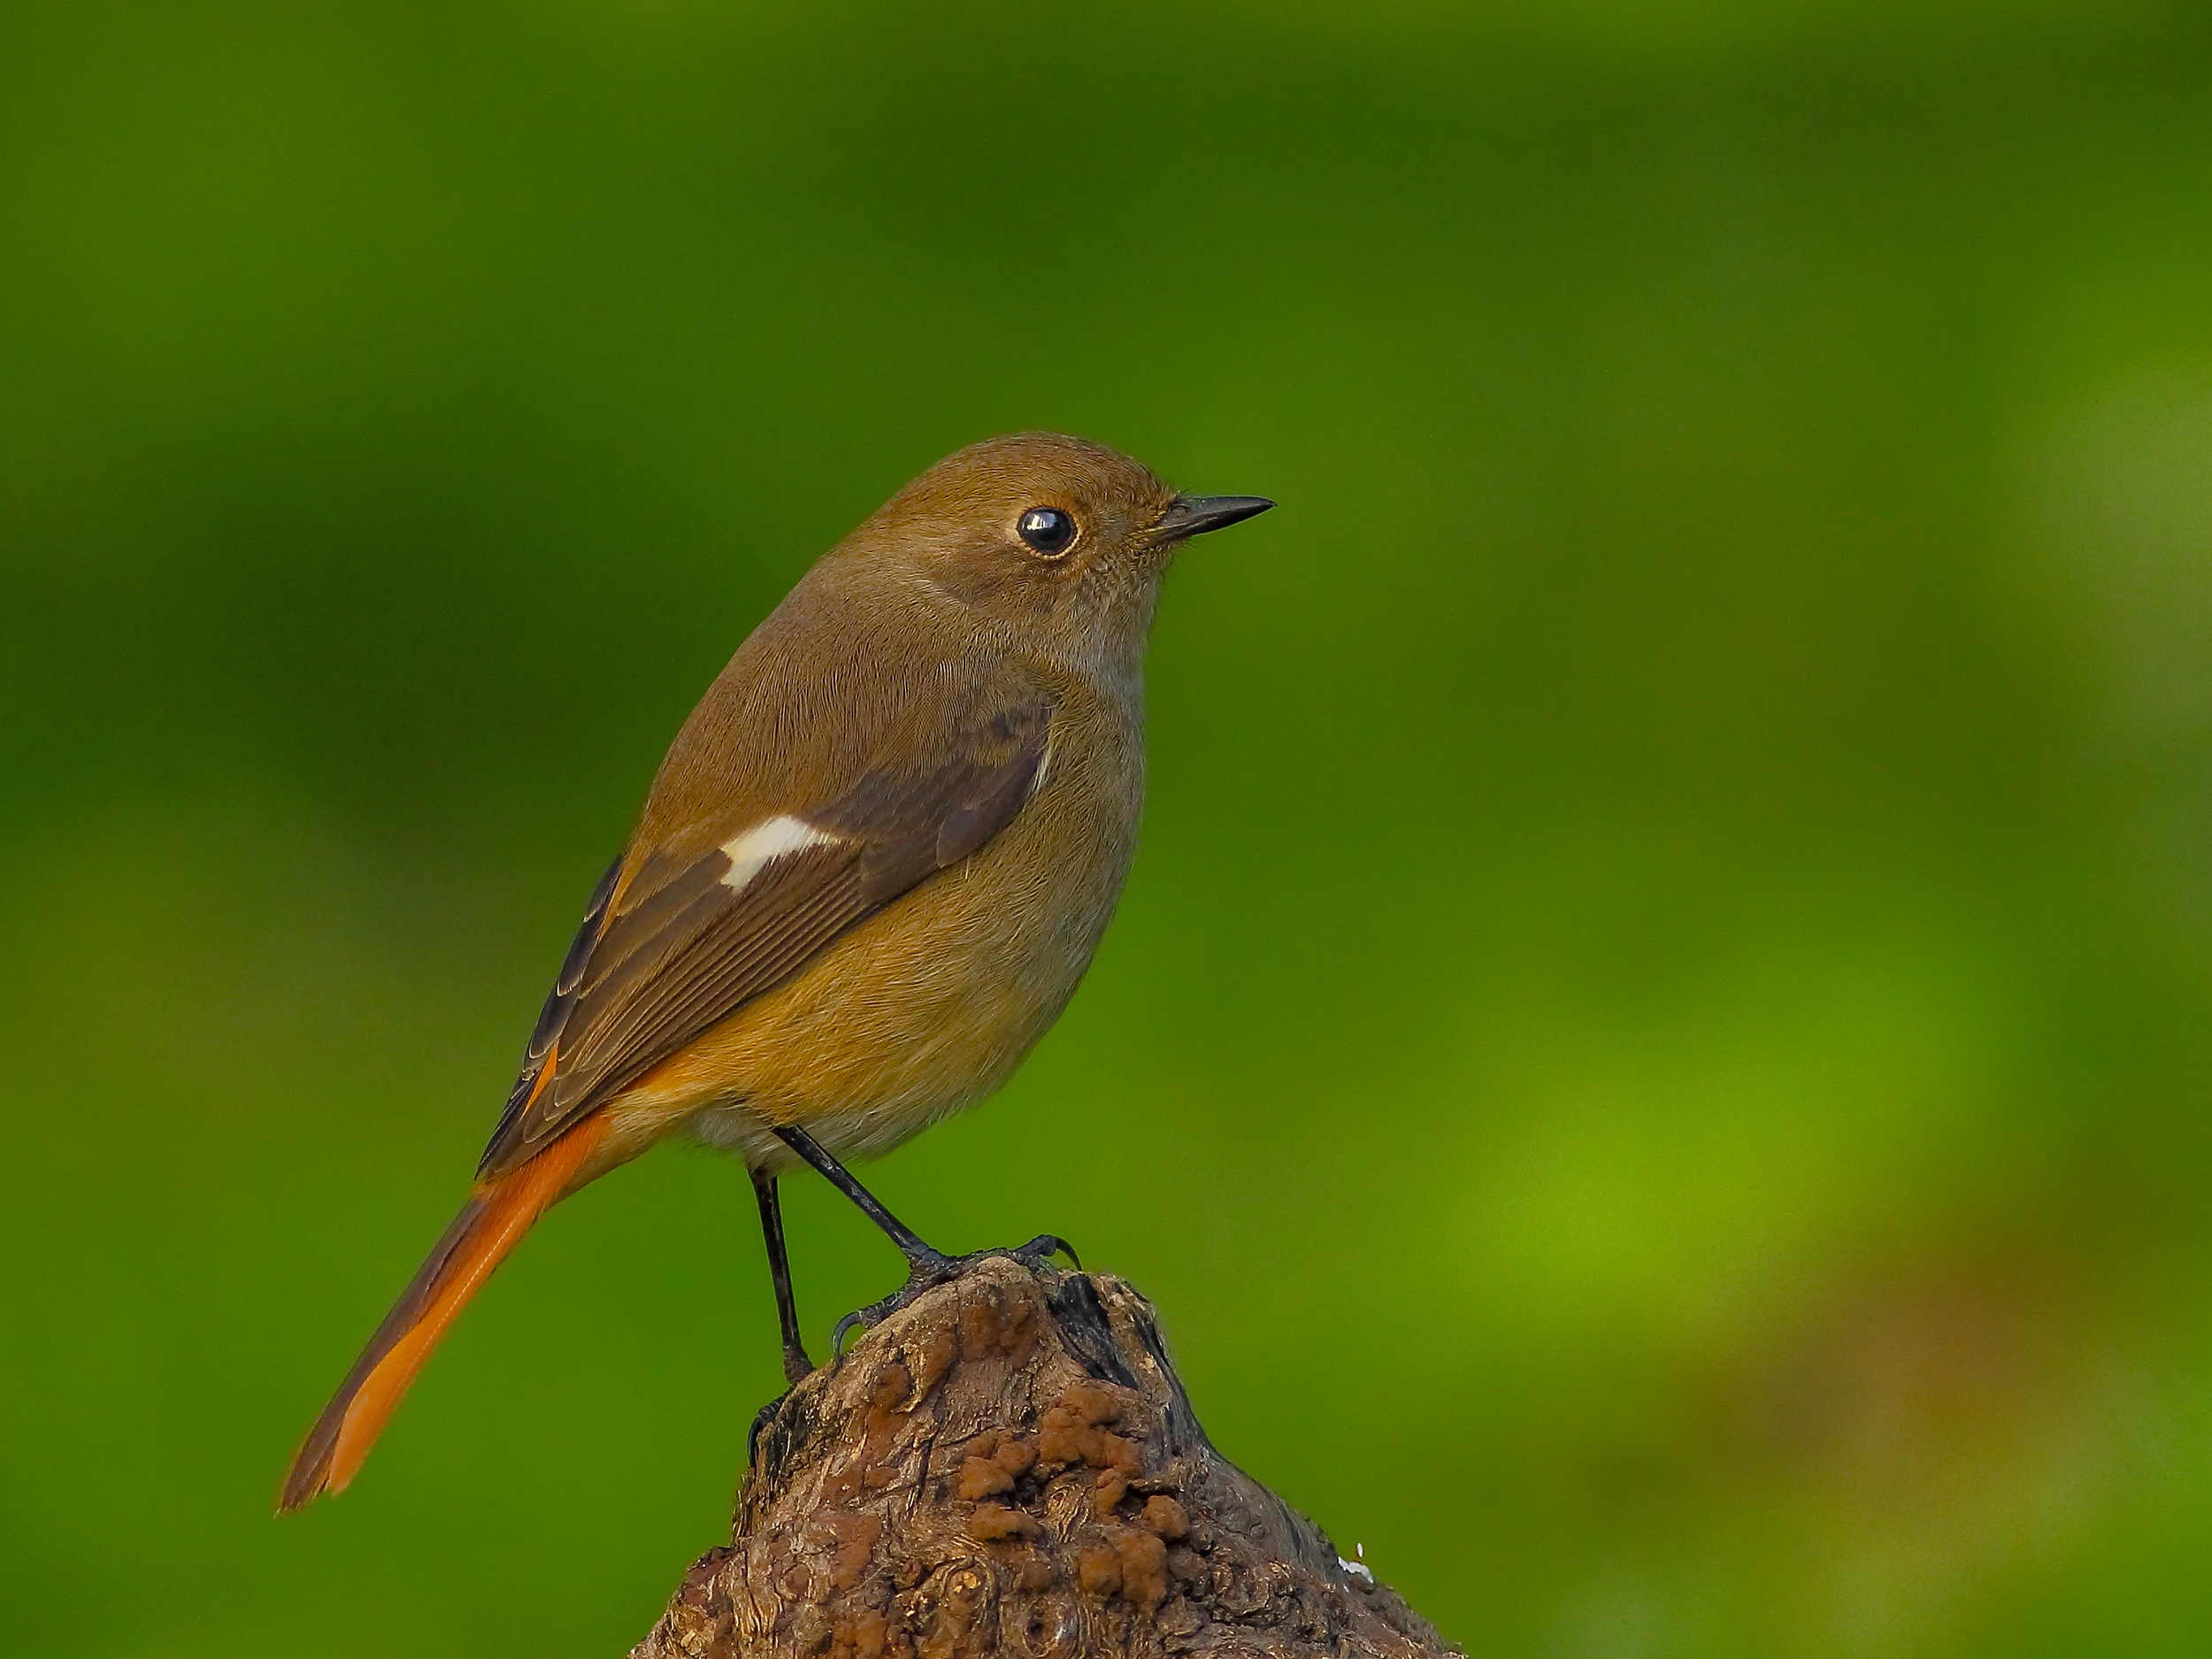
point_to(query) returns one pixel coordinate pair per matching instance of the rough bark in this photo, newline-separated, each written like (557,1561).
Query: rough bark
(1011,1466)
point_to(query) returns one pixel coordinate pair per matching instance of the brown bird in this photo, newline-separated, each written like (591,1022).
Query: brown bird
(870,872)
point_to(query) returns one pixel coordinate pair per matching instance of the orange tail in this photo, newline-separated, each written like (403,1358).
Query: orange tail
(491,1223)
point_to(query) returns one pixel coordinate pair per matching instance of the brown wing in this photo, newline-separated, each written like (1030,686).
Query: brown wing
(682,942)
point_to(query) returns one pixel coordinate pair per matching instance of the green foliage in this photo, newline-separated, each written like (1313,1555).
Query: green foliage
(1654,1058)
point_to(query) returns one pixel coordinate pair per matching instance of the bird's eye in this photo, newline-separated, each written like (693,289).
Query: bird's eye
(1047,529)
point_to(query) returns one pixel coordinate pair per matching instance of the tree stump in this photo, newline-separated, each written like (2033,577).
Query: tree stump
(1009,1465)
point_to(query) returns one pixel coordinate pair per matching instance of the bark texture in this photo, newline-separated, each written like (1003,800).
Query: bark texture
(1009,1466)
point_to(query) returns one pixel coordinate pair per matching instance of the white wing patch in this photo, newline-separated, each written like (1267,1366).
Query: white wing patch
(1044,761)
(763,844)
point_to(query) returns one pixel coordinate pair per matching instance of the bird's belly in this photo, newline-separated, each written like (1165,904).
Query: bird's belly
(924,1009)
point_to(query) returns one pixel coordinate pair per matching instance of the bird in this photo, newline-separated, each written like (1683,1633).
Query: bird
(867,876)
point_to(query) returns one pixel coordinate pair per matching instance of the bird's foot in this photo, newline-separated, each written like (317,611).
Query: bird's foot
(928,1272)
(762,1419)
(796,1366)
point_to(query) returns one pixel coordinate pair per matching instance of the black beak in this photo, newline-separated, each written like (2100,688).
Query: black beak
(1193,515)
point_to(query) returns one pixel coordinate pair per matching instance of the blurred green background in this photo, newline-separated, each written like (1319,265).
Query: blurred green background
(1655,1059)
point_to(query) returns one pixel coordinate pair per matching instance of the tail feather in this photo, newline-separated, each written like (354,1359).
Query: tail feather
(491,1223)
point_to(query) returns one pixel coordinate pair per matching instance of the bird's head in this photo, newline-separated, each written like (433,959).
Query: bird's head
(1055,544)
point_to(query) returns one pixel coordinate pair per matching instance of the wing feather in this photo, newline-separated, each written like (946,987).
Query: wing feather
(673,950)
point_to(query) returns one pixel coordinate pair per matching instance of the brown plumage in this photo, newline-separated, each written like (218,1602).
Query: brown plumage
(868,876)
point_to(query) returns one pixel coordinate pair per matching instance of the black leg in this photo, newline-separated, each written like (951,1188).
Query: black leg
(796,1364)
(911,1246)
(926,1266)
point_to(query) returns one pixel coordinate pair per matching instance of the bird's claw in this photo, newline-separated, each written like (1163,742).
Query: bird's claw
(928,1272)
(863,1318)
(1040,1250)
(761,1420)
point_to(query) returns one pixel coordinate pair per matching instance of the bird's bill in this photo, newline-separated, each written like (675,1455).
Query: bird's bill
(1194,515)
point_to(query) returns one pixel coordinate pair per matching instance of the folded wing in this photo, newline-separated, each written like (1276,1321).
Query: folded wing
(674,943)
